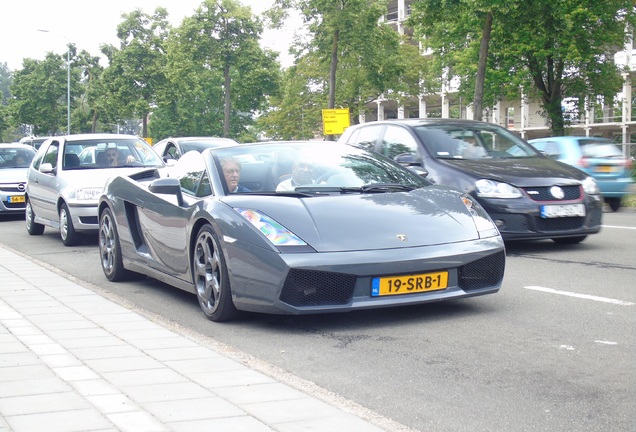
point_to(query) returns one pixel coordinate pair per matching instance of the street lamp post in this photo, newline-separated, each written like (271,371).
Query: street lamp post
(68,79)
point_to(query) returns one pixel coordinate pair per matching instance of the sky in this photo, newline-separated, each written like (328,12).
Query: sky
(89,24)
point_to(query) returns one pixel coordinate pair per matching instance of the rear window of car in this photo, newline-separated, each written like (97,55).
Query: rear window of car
(600,149)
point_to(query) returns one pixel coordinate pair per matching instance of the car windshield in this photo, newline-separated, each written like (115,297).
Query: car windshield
(16,157)
(110,152)
(474,142)
(310,168)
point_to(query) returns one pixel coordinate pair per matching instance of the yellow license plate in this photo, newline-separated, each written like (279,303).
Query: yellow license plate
(409,284)
(605,168)
(16,199)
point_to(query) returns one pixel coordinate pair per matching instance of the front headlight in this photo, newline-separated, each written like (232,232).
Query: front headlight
(492,189)
(87,194)
(275,232)
(590,186)
(485,226)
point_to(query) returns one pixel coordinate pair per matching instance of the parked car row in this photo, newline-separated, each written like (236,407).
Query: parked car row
(394,213)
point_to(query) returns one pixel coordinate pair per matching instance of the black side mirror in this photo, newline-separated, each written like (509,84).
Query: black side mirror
(169,186)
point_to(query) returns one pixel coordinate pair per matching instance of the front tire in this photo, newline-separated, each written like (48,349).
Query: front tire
(70,237)
(210,277)
(614,203)
(32,227)
(110,254)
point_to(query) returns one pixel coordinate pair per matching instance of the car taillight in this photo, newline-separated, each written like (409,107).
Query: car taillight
(629,164)
(584,162)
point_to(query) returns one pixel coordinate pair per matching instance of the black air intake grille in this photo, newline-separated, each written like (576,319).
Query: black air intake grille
(317,288)
(482,273)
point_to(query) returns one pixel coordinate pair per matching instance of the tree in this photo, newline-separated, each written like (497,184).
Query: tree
(357,62)
(135,71)
(40,93)
(550,49)
(218,75)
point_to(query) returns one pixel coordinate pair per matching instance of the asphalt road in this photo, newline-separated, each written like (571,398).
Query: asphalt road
(554,350)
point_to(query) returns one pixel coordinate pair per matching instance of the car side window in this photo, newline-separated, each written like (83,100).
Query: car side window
(367,137)
(397,141)
(550,148)
(172,151)
(51,154)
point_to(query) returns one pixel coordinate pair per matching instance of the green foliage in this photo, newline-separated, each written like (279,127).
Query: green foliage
(135,72)
(218,75)
(550,49)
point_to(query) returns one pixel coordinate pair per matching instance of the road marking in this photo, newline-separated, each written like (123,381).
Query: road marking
(614,226)
(582,296)
(606,342)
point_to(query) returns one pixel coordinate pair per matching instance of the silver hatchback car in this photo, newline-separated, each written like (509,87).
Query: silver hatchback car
(63,187)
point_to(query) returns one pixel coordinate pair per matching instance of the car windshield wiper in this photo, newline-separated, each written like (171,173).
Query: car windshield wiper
(368,188)
(386,187)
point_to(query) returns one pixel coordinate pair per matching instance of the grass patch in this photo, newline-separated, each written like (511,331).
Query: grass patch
(629,201)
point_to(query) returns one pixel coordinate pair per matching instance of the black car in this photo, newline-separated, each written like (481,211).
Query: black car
(528,195)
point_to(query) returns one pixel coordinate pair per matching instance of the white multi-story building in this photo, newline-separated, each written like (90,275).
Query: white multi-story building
(520,115)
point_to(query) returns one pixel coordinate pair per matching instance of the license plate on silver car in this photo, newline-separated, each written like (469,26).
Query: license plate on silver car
(563,210)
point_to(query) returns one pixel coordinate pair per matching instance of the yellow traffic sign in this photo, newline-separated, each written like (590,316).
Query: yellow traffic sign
(335,121)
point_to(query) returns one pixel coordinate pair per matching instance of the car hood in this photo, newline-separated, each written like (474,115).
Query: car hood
(351,222)
(521,172)
(13,175)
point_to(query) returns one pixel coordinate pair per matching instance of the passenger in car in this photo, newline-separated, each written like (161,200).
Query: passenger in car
(232,172)
(302,174)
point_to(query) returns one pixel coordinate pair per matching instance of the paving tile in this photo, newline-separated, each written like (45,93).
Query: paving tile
(46,348)
(10,347)
(193,409)
(113,403)
(165,392)
(83,333)
(230,378)
(137,421)
(60,360)
(296,410)
(267,392)
(153,376)
(18,373)
(233,424)
(94,387)
(75,373)
(59,421)
(173,341)
(141,362)
(215,364)
(337,423)
(182,353)
(52,384)
(116,349)
(91,343)
(50,402)
(23,358)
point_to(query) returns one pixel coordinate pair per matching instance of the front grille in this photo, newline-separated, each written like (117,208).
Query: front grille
(482,273)
(317,288)
(14,205)
(543,193)
(12,188)
(560,224)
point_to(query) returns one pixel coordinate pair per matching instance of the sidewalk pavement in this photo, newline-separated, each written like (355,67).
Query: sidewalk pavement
(72,360)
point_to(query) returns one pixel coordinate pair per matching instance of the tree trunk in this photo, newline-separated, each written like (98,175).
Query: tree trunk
(94,122)
(228,103)
(478,100)
(332,75)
